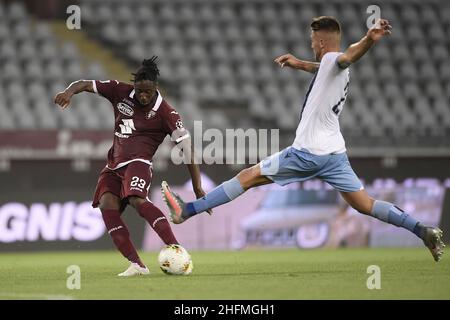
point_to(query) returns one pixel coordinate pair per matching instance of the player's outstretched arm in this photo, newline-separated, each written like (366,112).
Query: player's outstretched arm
(357,50)
(194,171)
(288,60)
(63,98)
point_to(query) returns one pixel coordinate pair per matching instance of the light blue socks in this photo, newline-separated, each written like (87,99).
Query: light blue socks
(389,213)
(224,193)
(232,189)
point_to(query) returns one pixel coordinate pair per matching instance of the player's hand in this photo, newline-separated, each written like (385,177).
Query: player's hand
(287,60)
(63,99)
(199,193)
(380,29)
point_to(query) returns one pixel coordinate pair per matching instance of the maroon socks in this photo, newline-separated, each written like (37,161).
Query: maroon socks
(120,235)
(158,222)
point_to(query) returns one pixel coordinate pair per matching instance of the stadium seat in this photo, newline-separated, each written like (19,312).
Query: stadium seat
(215,51)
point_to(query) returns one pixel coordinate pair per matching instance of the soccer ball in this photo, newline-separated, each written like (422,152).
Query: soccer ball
(174,259)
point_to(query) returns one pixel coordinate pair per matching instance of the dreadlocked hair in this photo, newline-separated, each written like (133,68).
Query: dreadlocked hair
(147,71)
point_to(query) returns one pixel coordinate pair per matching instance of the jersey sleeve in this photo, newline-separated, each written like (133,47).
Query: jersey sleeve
(173,124)
(106,88)
(329,61)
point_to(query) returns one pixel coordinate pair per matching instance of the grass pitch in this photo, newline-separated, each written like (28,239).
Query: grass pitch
(248,274)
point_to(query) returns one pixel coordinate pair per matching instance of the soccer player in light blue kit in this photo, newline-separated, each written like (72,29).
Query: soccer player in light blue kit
(319,149)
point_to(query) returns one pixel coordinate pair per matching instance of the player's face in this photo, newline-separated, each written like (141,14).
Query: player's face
(144,91)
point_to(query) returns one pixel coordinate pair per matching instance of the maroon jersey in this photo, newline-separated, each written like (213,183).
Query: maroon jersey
(139,130)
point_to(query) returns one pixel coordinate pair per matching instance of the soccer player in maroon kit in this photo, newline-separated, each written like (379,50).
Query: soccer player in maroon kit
(142,120)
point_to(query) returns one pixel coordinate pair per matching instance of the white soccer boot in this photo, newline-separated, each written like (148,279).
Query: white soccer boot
(134,270)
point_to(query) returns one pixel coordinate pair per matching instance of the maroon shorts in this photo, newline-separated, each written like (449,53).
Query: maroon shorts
(133,179)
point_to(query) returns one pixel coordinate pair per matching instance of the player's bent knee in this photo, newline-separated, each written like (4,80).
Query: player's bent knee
(109,201)
(135,201)
(246,173)
(243,176)
(250,177)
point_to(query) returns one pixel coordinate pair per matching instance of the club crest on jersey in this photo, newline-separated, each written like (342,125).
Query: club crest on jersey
(150,114)
(125,109)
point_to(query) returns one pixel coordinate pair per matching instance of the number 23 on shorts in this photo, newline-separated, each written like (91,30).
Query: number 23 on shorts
(137,182)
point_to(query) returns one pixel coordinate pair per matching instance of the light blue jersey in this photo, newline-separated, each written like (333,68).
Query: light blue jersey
(318,150)
(318,130)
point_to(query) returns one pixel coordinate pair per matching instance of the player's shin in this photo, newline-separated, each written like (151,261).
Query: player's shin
(226,192)
(389,213)
(157,221)
(120,235)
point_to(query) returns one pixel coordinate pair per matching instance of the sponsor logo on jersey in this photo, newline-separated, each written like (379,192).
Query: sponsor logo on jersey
(125,109)
(126,129)
(129,102)
(150,114)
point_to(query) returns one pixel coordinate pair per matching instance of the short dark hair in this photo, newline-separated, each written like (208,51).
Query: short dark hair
(326,23)
(147,71)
